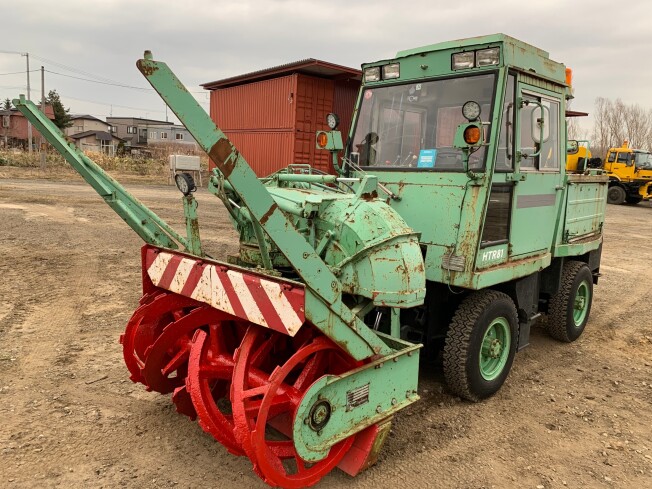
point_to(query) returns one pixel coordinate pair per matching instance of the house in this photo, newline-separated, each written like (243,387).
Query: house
(13,131)
(138,133)
(84,123)
(272,115)
(97,141)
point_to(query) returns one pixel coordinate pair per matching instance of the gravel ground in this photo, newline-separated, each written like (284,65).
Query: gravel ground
(577,415)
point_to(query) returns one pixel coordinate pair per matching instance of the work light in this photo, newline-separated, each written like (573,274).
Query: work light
(487,57)
(391,71)
(372,74)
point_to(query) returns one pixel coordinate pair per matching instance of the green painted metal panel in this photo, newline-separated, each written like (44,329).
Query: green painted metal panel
(586,198)
(357,399)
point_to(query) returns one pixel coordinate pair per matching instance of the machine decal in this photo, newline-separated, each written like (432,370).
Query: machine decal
(493,254)
(427,158)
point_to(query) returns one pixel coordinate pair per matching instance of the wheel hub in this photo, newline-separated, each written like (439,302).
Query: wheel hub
(492,348)
(320,414)
(494,351)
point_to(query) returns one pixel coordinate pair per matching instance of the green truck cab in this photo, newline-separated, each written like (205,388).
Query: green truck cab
(506,232)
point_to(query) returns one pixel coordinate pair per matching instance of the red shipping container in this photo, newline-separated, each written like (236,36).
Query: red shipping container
(272,115)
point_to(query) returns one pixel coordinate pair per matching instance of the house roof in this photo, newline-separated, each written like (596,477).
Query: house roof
(99,135)
(308,66)
(86,116)
(49,111)
(149,121)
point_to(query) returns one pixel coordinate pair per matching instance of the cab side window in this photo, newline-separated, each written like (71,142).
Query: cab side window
(623,158)
(548,157)
(504,156)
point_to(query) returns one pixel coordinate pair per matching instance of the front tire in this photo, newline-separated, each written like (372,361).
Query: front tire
(569,308)
(616,195)
(480,344)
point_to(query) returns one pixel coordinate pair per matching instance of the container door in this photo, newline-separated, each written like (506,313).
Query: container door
(539,155)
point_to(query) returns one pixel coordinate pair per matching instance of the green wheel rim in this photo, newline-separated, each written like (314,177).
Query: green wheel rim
(581,303)
(494,351)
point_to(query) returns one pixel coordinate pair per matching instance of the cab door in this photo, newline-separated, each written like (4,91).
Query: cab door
(539,154)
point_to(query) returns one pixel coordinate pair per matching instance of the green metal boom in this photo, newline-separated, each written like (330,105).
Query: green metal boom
(150,227)
(323,288)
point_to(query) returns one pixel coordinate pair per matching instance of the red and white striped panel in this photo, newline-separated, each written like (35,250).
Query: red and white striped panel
(269,303)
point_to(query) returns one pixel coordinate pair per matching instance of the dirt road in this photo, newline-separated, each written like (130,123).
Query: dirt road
(576,415)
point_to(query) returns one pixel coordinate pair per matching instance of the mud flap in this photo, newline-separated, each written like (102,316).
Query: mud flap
(364,452)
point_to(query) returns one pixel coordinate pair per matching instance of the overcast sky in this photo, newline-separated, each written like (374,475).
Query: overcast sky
(606,43)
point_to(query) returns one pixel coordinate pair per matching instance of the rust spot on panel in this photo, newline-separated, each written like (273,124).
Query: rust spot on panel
(368,196)
(146,69)
(269,212)
(224,156)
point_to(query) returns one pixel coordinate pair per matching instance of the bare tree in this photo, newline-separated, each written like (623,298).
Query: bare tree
(601,126)
(615,122)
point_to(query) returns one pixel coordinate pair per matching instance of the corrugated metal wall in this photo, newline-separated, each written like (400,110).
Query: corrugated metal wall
(265,151)
(273,122)
(314,102)
(344,97)
(261,105)
(259,120)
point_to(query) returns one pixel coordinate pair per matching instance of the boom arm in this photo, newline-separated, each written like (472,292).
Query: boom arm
(150,227)
(323,289)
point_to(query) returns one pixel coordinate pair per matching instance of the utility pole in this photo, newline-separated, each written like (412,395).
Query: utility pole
(42,142)
(29,97)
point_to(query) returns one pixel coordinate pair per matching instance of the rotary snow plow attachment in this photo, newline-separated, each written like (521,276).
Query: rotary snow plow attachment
(276,352)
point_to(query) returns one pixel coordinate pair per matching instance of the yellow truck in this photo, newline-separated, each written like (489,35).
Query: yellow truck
(630,175)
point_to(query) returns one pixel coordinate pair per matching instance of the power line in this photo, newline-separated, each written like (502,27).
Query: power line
(18,72)
(101,82)
(121,85)
(116,105)
(74,70)
(98,78)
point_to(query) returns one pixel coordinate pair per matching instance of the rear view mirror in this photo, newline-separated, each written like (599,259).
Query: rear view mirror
(540,123)
(572,147)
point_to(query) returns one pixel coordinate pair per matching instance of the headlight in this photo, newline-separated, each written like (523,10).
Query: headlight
(391,71)
(462,61)
(487,57)
(475,59)
(372,74)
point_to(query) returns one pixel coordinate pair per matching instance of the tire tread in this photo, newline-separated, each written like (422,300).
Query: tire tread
(458,339)
(558,306)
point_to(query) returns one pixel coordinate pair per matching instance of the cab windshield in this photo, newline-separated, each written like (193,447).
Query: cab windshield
(643,161)
(413,125)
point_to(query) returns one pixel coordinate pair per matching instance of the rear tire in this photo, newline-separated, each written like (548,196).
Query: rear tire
(480,344)
(616,195)
(569,308)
